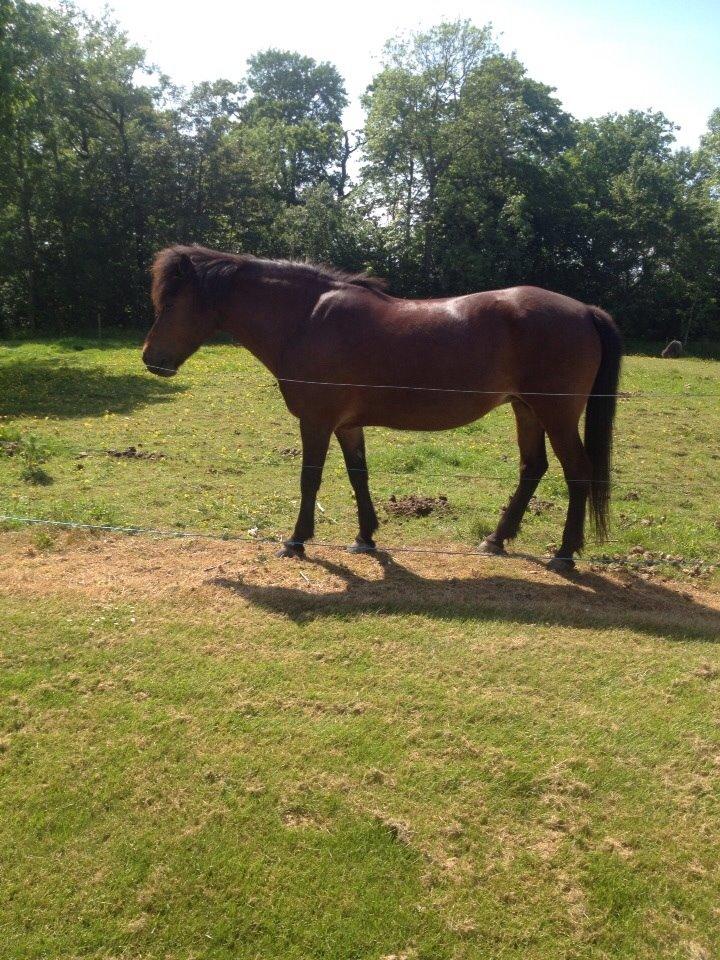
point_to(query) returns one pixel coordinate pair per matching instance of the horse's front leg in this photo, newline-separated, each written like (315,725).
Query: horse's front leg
(315,442)
(352,443)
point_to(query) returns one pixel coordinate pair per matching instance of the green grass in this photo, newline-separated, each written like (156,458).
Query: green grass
(227,780)
(225,435)
(206,752)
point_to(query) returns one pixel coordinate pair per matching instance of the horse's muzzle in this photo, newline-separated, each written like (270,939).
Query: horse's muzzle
(161,371)
(160,366)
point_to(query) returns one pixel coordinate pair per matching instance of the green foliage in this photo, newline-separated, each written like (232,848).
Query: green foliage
(644,240)
(30,451)
(468,175)
(33,454)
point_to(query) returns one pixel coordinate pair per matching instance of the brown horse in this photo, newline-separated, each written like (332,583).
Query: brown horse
(347,355)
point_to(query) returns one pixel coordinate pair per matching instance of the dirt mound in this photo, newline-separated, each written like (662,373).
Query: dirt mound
(640,559)
(538,506)
(132,453)
(415,506)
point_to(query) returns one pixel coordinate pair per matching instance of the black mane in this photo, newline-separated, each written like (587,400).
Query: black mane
(213,273)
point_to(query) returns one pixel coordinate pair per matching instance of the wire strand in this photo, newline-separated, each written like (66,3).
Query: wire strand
(621,395)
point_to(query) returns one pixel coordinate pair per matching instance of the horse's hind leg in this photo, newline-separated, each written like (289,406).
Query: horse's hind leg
(315,442)
(533,465)
(352,443)
(577,468)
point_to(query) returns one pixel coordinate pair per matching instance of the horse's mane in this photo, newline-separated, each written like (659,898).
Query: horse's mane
(213,273)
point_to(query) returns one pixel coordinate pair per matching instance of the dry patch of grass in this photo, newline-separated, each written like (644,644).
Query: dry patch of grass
(216,572)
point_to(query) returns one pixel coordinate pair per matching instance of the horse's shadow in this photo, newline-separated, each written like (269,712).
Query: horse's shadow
(60,388)
(586,600)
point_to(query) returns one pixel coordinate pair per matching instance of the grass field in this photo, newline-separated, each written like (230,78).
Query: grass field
(228,454)
(207,752)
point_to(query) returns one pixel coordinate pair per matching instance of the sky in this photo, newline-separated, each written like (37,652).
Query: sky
(606,56)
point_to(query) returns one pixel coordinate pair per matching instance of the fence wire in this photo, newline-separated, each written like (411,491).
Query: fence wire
(389,549)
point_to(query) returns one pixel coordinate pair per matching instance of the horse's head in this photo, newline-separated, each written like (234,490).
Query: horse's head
(184,320)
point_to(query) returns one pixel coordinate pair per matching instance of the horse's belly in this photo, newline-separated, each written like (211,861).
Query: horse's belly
(423,411)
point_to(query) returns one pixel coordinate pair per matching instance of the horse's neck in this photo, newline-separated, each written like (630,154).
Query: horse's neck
(263,315)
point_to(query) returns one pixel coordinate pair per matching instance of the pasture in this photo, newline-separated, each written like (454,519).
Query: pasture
(206,751)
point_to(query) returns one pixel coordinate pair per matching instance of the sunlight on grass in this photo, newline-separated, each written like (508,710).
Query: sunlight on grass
(236,780)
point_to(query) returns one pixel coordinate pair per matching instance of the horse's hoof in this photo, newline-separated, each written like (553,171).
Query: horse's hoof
(362,546)
(561,565)
(493,549)
(292,549)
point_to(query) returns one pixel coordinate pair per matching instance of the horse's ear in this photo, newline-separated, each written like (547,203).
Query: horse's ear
(172,268)
(183,266)
(173,264)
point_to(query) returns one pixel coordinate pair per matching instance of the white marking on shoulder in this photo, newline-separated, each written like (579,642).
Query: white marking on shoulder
(453,308)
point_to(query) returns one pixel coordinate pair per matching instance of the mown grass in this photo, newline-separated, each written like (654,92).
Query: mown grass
(232,774)
(443,764)
(229,464)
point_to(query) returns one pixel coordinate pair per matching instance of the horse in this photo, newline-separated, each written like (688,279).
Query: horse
(348,355)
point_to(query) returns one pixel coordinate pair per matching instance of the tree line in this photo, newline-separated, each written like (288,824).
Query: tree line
(467,175)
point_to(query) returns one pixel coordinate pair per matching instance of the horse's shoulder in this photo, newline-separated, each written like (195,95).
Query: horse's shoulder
(345,302)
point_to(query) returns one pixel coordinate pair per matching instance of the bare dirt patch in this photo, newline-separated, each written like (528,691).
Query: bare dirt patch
(132,453)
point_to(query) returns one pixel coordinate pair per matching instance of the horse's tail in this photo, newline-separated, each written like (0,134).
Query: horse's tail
(600,416)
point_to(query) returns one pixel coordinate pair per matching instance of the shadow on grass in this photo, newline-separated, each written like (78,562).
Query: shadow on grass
(114,339)
(586,600)
(52,389)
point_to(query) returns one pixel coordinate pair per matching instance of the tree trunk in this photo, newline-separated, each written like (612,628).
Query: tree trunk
(429,236)
(28,236)
(408,203)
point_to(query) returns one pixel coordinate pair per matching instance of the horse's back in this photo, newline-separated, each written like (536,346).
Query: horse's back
(517,328)
(476,351)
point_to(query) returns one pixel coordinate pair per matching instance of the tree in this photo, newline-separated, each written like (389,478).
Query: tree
(641,237)
(472,177)
(497,204)
(457,137)
(704,319)
(27,46)
(708,164)
(296,110)
(74,186)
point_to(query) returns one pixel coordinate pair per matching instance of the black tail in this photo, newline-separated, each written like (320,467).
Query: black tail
(599,418)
